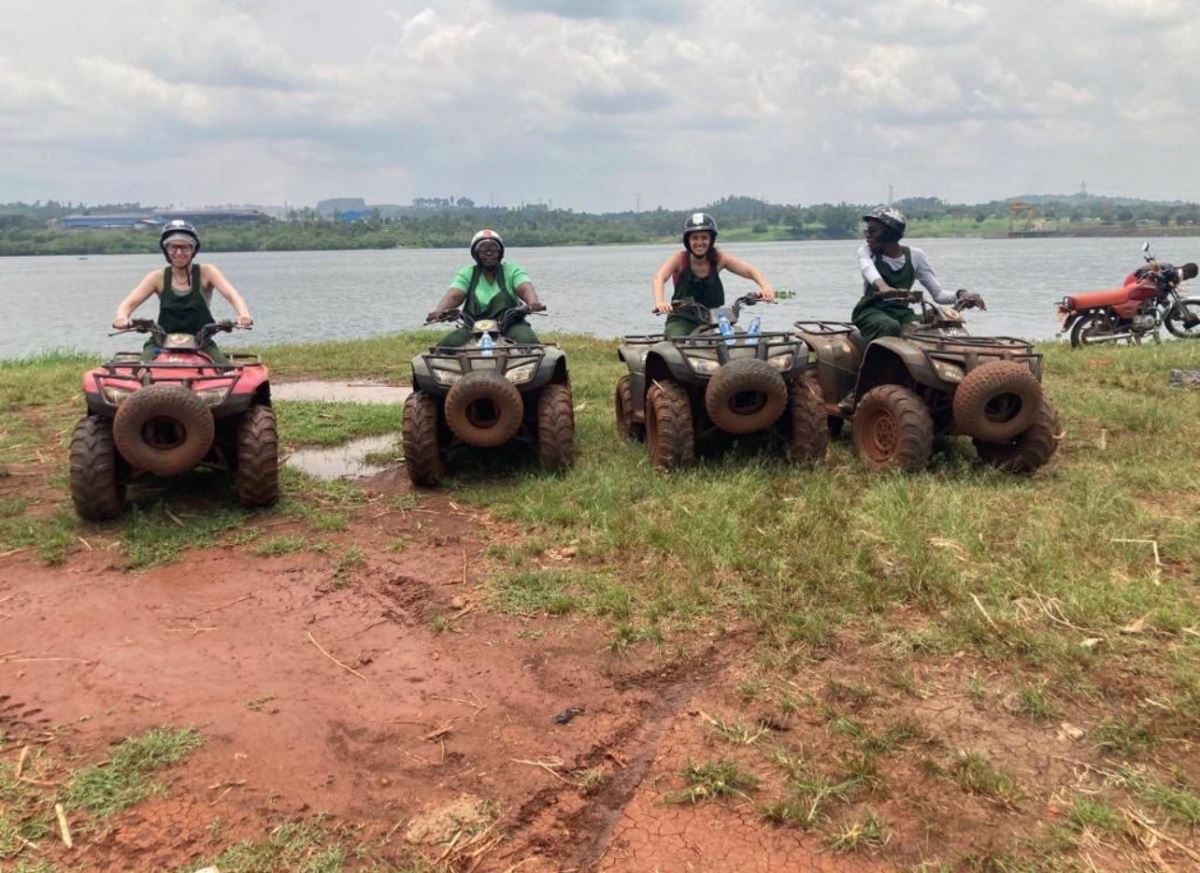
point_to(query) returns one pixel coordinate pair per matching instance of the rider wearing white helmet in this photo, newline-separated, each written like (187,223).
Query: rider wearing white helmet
(696,275)
(184,289)
(888,269)
(487,289)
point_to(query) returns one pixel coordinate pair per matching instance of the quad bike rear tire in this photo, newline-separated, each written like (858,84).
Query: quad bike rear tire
(627,428)
(670,434)
(745,395)
(258,457)
(1031,450)
(422,451)
(892,429)
(97,487)
(807,425)
(164,429)
(484,409)
(996,401)
(555,427)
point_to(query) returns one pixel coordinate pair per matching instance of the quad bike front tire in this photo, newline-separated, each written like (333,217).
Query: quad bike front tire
(745,395)
(892,429)
(164,429)
(627,428)
(258,457)
(670,434)
(996,401)
(97,488)
(556,427)
(484,409)
(807,423)
(1031,450)
(422,451)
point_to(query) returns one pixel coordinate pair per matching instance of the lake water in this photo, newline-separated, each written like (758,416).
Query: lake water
(68,302)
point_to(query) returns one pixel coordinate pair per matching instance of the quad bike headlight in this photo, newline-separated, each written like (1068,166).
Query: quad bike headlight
(522,373)
(447,377)
(947,371)
(782,362)
(704,365)
(114,394)
(212,396)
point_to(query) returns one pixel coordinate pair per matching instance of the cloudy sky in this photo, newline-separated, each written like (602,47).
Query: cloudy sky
(589,104)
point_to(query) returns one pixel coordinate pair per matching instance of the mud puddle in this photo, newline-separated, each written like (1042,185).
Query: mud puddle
(346,461)
(340,392)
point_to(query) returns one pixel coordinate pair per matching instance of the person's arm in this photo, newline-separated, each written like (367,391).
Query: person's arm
(927,278)
(214,278)
(151,284)
(870,272)
(747,270)
(519,281)
(659,280)
(453,297)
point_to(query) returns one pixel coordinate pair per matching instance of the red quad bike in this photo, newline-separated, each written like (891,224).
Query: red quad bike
(165,416)
(1149,299)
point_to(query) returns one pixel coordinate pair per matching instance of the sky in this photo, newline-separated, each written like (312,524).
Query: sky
(596,106)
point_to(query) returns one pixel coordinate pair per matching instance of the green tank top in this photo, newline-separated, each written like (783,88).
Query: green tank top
(901,279)
(183,313)
(707,291)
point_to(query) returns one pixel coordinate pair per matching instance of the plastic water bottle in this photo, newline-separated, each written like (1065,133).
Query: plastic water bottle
(486,343)
(753,330)
(726,329)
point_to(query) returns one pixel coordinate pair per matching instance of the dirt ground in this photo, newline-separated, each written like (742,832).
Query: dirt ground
(386,696)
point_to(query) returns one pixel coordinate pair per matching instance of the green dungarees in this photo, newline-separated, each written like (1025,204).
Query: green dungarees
(518,332)
(184,313)
(707,292)
(875,317)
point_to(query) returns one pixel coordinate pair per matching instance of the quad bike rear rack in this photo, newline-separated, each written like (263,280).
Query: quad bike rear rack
(971,351)
(825,328)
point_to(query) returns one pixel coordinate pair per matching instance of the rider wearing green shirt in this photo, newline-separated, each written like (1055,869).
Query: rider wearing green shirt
(487,289)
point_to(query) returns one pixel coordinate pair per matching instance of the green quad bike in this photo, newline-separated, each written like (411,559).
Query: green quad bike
(486,393)
(683,390)
(899,392)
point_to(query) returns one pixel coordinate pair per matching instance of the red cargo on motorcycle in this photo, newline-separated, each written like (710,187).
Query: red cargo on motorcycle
(1148,300)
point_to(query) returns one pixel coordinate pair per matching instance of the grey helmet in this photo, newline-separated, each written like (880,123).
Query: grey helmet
(178,227)
(699,221)
(482,236)
(890,217)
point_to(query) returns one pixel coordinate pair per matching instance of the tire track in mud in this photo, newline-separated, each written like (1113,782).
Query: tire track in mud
(579,834)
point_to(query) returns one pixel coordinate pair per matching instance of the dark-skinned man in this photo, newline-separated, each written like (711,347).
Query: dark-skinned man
(487,289)
(889,270)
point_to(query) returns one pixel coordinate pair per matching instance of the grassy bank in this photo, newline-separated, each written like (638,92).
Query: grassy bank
(1069,597)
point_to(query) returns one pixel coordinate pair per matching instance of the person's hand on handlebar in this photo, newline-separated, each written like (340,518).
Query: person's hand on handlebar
(970,299)
(122,322)
(766,293)
(244,321)
(539,306)
(664,307)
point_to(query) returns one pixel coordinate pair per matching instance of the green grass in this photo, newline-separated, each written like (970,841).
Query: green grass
(125,778)
(306,423)
(303,847)
(712,780)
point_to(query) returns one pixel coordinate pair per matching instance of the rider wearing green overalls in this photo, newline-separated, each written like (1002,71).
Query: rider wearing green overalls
(889,268)
(184,289)
(696,274)
(487,289)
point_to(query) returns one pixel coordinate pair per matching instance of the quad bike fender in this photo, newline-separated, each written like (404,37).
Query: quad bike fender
(666,361)
(895,360)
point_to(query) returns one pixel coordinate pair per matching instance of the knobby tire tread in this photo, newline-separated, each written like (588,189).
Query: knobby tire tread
(258,457)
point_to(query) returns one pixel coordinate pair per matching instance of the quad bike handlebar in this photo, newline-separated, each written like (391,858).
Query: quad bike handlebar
(506,319)
(688,304)
(203,335)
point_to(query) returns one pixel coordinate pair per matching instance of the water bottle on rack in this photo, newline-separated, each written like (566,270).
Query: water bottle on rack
(753,330)
(486,343)
(726,329)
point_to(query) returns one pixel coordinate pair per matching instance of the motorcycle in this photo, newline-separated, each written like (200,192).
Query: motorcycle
(1148,300)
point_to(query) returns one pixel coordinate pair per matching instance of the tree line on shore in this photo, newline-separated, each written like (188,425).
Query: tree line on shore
(32,229)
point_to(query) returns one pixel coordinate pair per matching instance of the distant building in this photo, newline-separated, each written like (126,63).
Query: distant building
(215,216)
(124,222)
(341,204)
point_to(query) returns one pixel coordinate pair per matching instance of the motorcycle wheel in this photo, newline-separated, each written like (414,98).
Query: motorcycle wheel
(1092,329)
(1178,316)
